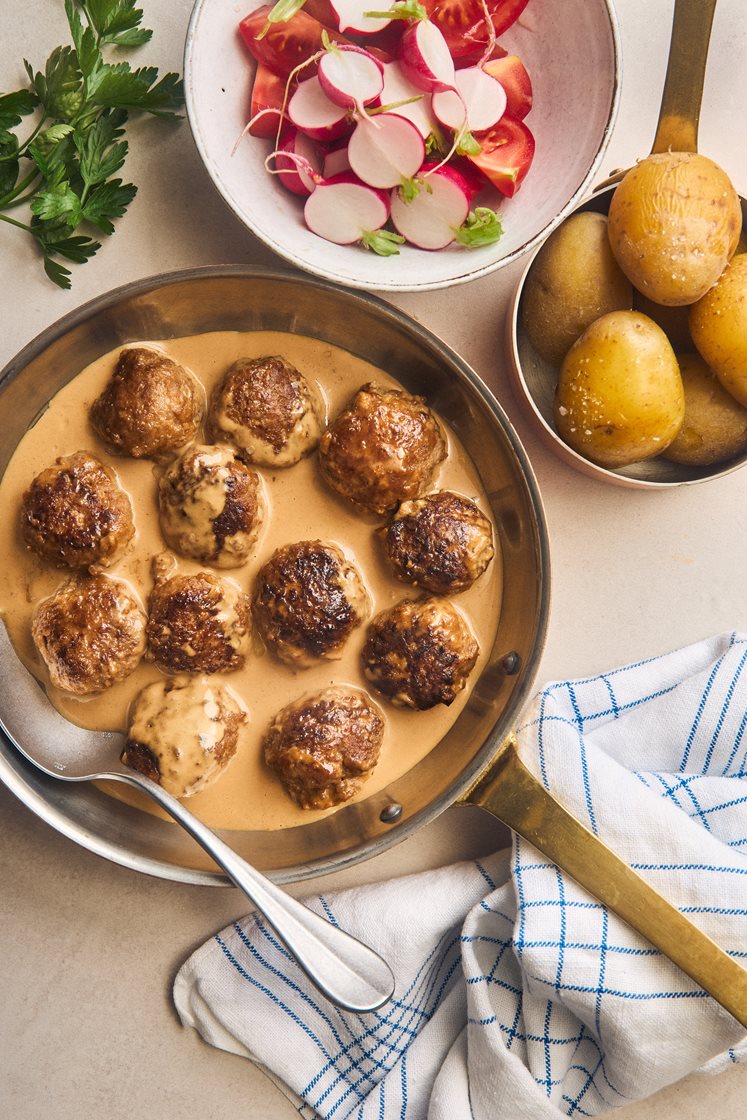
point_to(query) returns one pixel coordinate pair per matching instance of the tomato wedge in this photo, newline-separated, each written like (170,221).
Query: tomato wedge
(462,23)
(268,91)
(512,74)
(507,153)
(285,45)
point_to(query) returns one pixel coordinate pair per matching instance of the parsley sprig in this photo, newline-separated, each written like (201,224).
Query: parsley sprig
(64,169)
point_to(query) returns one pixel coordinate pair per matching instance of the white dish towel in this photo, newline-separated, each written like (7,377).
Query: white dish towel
(518,995)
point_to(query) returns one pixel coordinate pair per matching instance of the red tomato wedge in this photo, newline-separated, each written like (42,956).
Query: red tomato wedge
(268,90)
(512,74)
(507,153)
(285,45)
(462,23)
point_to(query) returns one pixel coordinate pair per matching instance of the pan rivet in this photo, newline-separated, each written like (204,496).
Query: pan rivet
(391,813)
(511,663)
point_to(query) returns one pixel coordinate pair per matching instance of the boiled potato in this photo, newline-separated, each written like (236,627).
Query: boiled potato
(672,320)
(619,397)
(715,425)
(574,280)
(674,225)
(718,325)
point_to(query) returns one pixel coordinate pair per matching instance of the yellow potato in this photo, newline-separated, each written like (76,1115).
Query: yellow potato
(718,325)
(619,397)
(715,425)
(674,225)
(672,320)
(573,280)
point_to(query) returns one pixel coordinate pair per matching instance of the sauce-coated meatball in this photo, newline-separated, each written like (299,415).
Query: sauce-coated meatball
(442,542)
(268,410)
(183,734)
(151,406)
(322,747)
(419,653)
(211,506)
(383,449)
(75,514)
(308,599)
(90,633)
(198,624)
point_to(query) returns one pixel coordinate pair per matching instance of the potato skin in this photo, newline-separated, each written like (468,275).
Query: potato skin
(674,224)
(715,424)
(718,325)
(573,281)
(672,320)
(619,398)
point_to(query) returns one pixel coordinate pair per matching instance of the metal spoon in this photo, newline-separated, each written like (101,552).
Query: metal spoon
(346,971)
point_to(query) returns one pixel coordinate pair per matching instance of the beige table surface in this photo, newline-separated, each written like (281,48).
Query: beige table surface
(89,949)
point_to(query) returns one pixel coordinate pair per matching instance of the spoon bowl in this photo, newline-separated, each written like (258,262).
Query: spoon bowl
(347,972)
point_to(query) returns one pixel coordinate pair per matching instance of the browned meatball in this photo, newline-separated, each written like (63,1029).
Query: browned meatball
(324,746)
(441,542)
(198,624)
(75,514)
(151,406)
(308,599)
(268,410)
(183,734)
(90,633)
(382,449)
(419,653)
(211,506)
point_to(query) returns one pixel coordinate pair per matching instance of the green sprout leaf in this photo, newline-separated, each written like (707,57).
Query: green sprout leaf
(483,227)
(467,145)
(382,242)
(401,9)
(281,12)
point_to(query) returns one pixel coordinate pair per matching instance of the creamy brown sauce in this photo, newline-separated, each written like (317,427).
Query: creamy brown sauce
(299,507)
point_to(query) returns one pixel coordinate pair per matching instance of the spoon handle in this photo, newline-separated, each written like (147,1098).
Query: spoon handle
(511,792)
(677,129)
(346,971)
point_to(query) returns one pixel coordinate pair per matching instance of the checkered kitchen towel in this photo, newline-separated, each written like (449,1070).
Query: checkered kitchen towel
(517,993)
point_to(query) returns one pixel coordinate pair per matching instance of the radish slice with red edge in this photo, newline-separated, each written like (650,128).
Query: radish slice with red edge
(385,150)
(351,16)
(350,76)
(479,98)
(398,88)
(425,57)
(291,172)
(335,162)
(312,112)
(440,212)
(344,210)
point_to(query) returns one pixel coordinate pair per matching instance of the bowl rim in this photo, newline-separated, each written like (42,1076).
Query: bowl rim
(398,286)
(453,793)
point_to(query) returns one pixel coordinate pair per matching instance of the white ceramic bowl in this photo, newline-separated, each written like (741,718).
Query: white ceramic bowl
(571,50)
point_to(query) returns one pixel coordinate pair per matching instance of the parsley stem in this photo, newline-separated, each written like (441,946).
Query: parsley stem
(6,199)
(13,222)
(20,150)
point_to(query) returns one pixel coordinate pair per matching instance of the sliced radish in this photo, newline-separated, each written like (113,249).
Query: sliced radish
(479,101)
(335,162)
(385,150)
(291,171)
(397,88)
(351,17)
(312,112)
(350,76)
(344,210)
(425,57)
(431,219)
(512,74)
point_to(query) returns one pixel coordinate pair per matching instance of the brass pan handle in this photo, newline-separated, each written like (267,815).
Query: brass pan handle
(677,128)
(511,793)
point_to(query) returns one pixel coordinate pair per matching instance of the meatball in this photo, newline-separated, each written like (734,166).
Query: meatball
(419,653)
(441,542)
(183,734)
(75,514)
(383,449)
(211,506)
(198,624)
(308,599)
(90,633)
(268,410)
(324,746)
(151,406)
